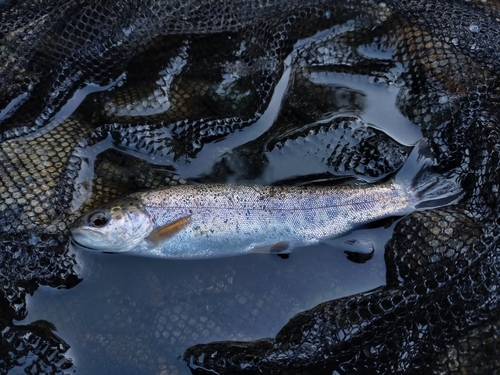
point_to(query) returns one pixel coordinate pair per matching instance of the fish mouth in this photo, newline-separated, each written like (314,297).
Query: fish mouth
(76,237)
(75,242)
(80,246)
(81,238)
(89,239)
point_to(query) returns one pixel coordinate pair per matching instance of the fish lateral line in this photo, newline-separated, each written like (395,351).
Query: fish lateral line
(166,231)
(242,207)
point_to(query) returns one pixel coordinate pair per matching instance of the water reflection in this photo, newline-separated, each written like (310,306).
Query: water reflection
(137,315)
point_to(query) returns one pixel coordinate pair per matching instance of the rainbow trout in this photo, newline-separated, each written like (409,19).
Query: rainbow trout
(203,221)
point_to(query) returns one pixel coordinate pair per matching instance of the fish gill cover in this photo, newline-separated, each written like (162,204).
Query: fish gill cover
(103,98)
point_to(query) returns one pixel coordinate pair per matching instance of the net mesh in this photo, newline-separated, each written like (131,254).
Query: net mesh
(163,79)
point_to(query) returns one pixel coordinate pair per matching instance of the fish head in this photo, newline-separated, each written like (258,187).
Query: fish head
(117,226)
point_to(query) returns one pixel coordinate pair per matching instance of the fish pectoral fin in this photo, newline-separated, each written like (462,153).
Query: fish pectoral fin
(277,248)
(160,234)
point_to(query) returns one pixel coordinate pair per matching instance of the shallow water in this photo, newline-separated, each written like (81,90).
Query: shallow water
(113,319)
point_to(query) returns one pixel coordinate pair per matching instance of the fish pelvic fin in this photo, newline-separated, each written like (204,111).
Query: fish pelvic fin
(166,231)
(283,247)
(426,188)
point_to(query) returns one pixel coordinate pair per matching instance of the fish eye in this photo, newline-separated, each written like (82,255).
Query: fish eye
(98,220)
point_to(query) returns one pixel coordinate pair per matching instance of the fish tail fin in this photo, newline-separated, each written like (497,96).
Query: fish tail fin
(427,189)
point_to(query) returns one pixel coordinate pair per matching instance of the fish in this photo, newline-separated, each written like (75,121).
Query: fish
(220,220)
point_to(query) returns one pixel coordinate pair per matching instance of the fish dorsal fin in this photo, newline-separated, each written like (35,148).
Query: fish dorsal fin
(160,234)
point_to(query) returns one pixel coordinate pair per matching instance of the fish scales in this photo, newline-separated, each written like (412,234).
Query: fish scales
(231,219)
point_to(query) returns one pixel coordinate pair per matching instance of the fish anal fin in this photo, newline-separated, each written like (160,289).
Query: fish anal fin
(162,233)
(276,248)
